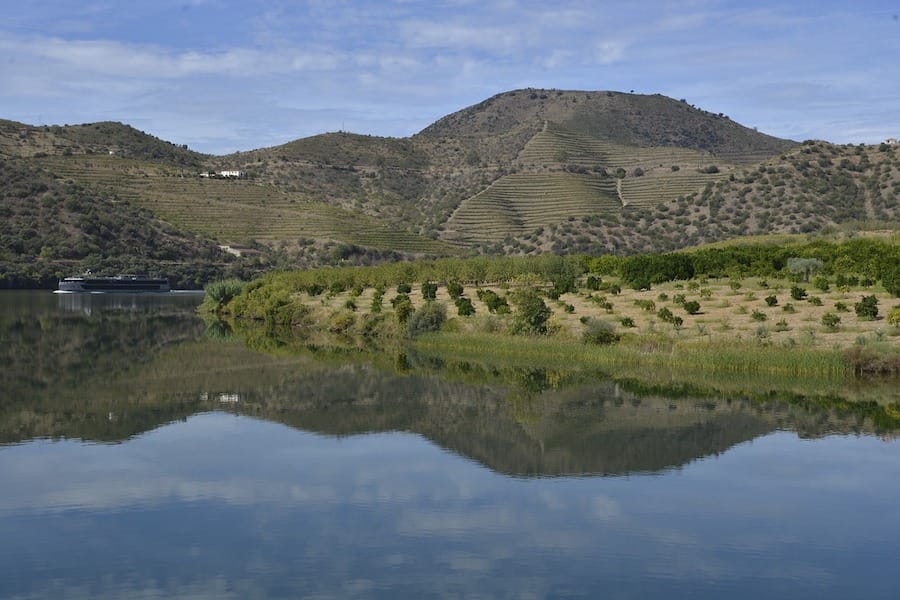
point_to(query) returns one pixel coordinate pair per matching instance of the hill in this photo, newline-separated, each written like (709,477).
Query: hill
(524,172)
(52,228)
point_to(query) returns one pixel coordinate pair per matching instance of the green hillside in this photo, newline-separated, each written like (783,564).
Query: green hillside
(524,172)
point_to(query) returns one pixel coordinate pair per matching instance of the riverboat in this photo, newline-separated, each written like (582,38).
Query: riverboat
(123,284)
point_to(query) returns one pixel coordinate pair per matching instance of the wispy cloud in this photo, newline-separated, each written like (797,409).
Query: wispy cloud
(254,61)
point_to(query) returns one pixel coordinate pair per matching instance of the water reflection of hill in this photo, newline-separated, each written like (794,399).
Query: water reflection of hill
(110,377)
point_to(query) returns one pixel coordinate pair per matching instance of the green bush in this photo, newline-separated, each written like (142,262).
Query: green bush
(429,290)
(831,321)
(495,303)
(404,288)
(455,290)
(531,313)
(893,317)
(771,300)
(429,317)
(758,316)
(867,308)
(464,307)
(599,332)
(692,307)
(222,292)
(627,322)
(403,307)
(797,292)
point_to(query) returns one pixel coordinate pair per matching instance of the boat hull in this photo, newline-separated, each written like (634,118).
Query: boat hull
(121,284)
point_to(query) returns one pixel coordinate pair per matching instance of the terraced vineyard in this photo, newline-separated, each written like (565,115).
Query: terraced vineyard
(653,189)
(518,203)
(234,210)
(558,145)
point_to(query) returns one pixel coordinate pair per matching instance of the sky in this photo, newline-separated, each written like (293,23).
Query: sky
(229,75)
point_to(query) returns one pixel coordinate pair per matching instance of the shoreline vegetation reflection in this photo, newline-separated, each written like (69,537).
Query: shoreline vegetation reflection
(111,373)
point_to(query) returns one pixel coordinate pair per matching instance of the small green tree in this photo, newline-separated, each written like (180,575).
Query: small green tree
(464,307)
(821,283)
(221,293)
(692,307)
(893,317)
(831,321)
(771,300)
(429,317)
(797,292)
(531,313)
(867,308)
(804,266)
(403,307)
(454,289)
(599,332)
(429,290)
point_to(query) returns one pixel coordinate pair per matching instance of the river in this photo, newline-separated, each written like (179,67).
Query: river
(145,455)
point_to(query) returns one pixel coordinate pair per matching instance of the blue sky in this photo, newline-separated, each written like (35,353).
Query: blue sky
(228,75)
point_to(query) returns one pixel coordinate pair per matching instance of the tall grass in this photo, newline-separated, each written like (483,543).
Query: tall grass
(717,358)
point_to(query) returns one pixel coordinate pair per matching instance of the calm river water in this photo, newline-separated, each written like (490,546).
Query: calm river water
(144,456)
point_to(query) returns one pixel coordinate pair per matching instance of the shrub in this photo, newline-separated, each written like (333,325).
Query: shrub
(781,325)
(831,321)
(663,297)
(350,304)
(341,322)
(429,317)
(647,305)
(789,308)
(841,307)
(593,283)
(758,316)
(222,292)
(797,292)
(890,279)
(404,288)
(455,290)
(665,315)
(821,283)
(314,289)
(679,299)
(376,303)
(464,307)
(893,317)
(815,301)
(804,266)
(599,332)
(403,307)
(867,308)
(771,300)
(531,315)
(692,307)
(629,322)
(495,303)
(429,290)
